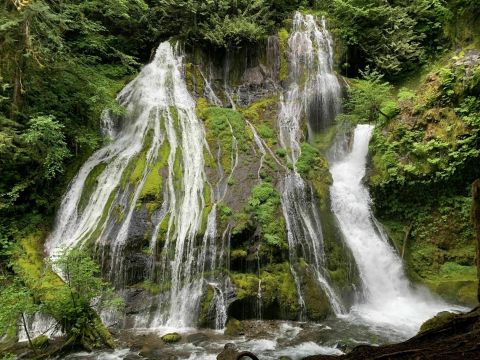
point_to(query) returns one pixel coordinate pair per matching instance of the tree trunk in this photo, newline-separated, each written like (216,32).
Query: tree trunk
(24,322)
(476,225)
(17,88)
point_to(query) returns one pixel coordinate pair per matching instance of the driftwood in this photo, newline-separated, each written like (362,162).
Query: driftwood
(459,338)
(230,352)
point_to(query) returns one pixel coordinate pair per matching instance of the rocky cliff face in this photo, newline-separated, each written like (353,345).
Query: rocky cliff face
(202,194)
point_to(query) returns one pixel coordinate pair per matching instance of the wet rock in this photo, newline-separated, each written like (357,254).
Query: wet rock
(132,357)
(40,342)
(197,339)
(171,337)
(234,328)
(230,352)
(439,319)
(253,76)
(157,354)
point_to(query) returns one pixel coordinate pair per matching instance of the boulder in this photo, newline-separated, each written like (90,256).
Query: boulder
(230,352)
(171,337)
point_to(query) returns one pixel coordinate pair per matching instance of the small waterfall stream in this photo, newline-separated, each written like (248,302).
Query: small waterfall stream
(313,89)
(389,300)
(160,116)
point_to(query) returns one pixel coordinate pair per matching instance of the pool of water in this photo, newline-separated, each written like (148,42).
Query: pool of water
(267,339)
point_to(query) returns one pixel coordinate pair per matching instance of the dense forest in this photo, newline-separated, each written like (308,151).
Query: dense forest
(410,67)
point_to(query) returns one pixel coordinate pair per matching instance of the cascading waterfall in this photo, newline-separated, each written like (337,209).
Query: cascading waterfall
(310,55)
(160,128)
(388,298)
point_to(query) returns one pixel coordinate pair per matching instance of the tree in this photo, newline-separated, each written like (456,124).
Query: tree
(46,145)
(367,97)
(16,302)
(72,304)
(392,36)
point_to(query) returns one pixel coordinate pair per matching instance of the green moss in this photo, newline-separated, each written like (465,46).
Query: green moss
(233,328)
(151,192)
(439,320)
(171,337)
(205,304)
(89,238)
(313,166)
(265,207)
(262,111)
(194,78)
(316,302)
(178,169)
(283,42)
(277,287)
(323,140)
(149,286)
(207,194)
(119,213)
(90,185)
(238,254)
(340,263)
(163,229)
(221,125)
(40,342)
(245,284)
(141,159)
(455,282)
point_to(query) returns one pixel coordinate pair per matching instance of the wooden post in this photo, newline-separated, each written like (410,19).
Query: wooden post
(476,225)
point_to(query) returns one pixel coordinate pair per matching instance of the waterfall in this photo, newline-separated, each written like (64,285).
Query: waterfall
(310,58)
(311,65)
(388,297)
(160,137)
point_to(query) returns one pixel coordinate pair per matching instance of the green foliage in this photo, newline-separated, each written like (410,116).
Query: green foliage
(221,23)
(46,142)
(15,300)
(71,303)
(264,205)
(61,64)
(367,99)
(423,162)
(8,356)
(440,146)
(392,37)
(309,160)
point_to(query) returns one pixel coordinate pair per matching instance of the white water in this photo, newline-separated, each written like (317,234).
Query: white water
(389,300)
(157,102)
(310,55)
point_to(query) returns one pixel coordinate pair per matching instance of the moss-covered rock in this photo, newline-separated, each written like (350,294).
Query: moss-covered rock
(171,337)
(40,342)
(204,317)
(233,327)
(440,319)
(317,305)
(274,290)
